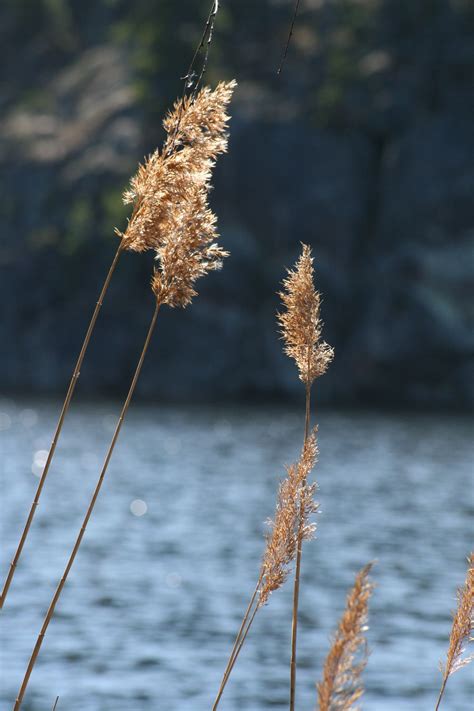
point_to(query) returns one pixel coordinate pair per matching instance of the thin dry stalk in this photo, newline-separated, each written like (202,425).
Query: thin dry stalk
(296,583)
(290,34)
(281,545)
(341,686)
(301,329)
(234,658)
(239,640)
(90,509)
(70,391)
(56,703)
(191,79)
(207,38)
(461,631)
(185,253)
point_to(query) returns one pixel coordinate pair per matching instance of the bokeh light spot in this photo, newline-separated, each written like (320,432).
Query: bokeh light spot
(28,418)
(39,460)
(109,422)
(138,507)
(173,580)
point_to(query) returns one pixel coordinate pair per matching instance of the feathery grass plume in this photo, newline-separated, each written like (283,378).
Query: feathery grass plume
(301,328)
(341,686)
(181,227)
(170,212)
(294,495)
(160,190)
(189,253)
(461,631)
(300,323)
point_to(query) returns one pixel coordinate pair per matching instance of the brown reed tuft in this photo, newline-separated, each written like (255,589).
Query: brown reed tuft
(291,524)
(301,328)
(188,253)
(294,496)
(300,323)
(461,631)
(171,215)
(163,191)
(341,686)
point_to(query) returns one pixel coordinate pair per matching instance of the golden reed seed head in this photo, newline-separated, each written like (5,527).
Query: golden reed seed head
(202,120)
(188,253)
(164,187)
(462,631)
(295,505)
(300,323)
(341,686)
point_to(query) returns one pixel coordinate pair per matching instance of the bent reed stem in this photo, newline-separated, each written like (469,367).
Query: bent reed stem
(90,508)
(296,586)
(70,391)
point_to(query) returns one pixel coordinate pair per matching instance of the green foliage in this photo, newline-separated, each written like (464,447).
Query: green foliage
(113,211)
(343,48)
(80,225)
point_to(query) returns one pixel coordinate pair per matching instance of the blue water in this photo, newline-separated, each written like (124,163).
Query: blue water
(153,602)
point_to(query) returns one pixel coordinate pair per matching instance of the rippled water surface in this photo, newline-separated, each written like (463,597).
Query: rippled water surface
(172,552)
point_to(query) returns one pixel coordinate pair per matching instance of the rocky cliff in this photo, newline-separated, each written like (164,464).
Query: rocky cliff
(363,147)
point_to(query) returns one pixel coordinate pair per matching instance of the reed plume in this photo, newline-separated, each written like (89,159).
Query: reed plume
(281,542)
(341,686)
(461,631)
(164,187)
(185,253)
(301,329)
(164,192)
(294,496)
(300,322)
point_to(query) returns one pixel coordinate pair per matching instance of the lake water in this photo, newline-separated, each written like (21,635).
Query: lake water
(148,615)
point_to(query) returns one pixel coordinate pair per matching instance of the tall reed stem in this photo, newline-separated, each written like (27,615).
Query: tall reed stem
(296,587)
(441,693)
(234,657)
(239,640)
(70,391)
(93,500)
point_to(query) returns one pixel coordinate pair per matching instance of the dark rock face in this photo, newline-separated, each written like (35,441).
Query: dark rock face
(417,332)
(382,190)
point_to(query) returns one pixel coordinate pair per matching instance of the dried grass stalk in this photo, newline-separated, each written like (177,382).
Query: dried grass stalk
(163,190)
(170,214)
(301,328)
(59,426)
(341,686)
(461,631)
(301,324)
(295,499)
(185,252)
(294,508)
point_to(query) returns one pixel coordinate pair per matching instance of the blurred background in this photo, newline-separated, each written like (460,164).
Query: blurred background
(362,148)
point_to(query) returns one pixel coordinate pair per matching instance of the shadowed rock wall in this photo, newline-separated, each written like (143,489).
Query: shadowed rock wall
(363,148)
